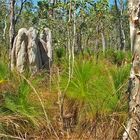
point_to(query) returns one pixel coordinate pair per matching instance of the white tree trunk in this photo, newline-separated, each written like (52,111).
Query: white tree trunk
(103,42)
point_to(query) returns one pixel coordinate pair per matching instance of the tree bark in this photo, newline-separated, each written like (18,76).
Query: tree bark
(132,131)
(134,18)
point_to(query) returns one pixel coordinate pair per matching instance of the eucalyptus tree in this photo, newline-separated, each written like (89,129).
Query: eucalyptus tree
(132,131)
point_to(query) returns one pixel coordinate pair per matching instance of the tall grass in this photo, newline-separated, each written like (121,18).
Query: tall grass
(19,103)
(16,93)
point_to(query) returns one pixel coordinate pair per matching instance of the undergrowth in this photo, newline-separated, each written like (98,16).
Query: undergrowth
(99,85)
(92,102)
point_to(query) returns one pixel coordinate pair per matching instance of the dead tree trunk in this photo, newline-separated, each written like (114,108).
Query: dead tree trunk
(132,131)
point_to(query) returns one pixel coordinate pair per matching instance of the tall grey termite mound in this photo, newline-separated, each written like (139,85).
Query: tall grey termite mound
(32,51)
(19,51)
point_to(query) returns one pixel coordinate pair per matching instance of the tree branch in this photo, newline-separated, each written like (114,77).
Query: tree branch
(21,7)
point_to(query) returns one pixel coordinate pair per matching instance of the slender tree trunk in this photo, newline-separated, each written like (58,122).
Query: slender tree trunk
(132,131)
(12,23)
(96,56)
(121,24)
(12,29)
(78,40)
(120,27)
(103,42)
(74,34)
(5,27)
(103,38)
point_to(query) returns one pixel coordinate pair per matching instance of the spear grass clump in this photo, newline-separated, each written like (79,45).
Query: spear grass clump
(18,103)
(120,77)
(93,85)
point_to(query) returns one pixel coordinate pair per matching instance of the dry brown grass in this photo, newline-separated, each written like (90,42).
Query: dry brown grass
(83,126)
